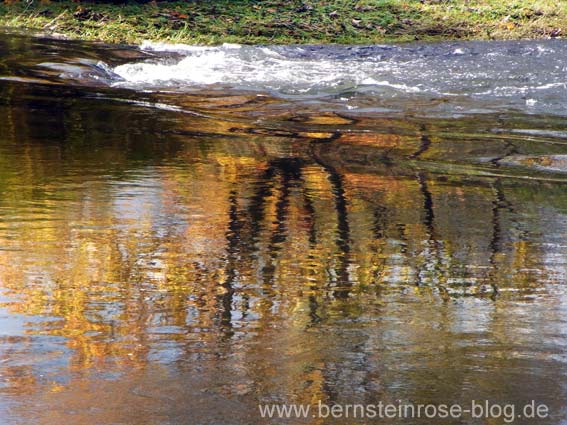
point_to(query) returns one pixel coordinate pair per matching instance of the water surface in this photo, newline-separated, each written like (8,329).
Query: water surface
(186,233)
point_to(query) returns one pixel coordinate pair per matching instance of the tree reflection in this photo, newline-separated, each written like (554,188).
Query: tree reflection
(332,261)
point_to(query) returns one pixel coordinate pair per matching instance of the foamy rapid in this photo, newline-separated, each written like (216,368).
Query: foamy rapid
(254,67)
(477,76)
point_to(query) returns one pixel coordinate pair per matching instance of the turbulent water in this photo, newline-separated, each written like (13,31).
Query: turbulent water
(186,232)
(471,77)
(440,79)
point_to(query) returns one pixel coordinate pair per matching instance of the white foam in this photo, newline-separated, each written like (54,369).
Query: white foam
(197,69)
(403,87)
(551,86)
(254,67)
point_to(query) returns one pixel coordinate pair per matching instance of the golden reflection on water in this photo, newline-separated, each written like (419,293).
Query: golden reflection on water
(162,266)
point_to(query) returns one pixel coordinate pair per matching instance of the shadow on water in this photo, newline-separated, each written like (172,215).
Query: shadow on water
(161,266)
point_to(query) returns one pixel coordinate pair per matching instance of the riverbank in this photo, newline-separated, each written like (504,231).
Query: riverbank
(274,21)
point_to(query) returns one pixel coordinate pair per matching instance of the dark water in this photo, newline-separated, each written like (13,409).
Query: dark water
(176,252)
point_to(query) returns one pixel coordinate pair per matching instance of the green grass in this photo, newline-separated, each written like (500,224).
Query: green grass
(293,21)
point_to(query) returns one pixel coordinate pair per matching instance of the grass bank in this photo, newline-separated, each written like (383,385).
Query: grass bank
(291,21)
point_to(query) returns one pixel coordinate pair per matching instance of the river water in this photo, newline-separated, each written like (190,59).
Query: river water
(188,232)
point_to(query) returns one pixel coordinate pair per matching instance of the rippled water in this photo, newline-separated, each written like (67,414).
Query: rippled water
(187,233)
